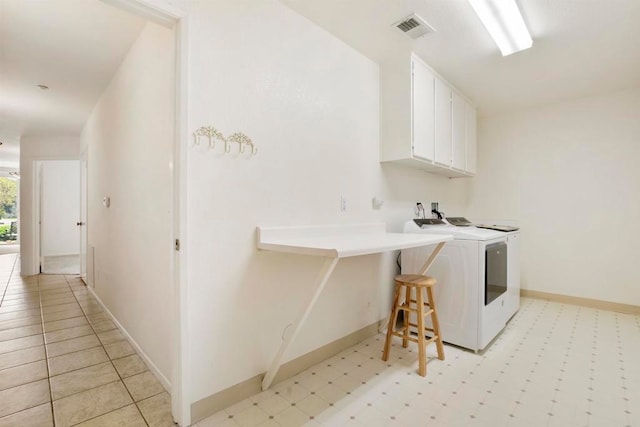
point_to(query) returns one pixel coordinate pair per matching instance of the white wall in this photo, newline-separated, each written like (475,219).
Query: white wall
(569,175)
(310,103)
(31,150)
(129,138)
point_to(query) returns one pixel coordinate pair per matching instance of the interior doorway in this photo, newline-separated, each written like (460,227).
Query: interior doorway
(82,223)
(59,205)
(9,190)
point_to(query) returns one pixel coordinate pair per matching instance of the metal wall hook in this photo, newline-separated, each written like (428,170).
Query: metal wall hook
(211,133)
(238,137)
(243,141)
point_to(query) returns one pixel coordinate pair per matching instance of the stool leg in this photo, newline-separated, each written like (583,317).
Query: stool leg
(393,317)
(436,324)
(422,348)
(405,317)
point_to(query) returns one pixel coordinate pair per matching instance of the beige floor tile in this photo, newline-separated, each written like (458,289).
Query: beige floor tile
(143,385)
(25,331)
(157,410)
(55,293)
(57,301)
(84,296)
(80,359)
(49,284)
(91,308)
(26,396)
(39,416)
(21,343)
(111,336)
(16,358)
(82,379)
(104,326)
(61,315)
(89,404)
(51,280)
(65,334)
(64,324)
(18,307)
(15,293)
(18,323)
(81,293)
(54,288)
(129,416)
(19,314)
(61,307)
(17,300)
(130,365)
(72,345)
(57,298)
(119,349)
(23,374)
(97,317)
(16,287)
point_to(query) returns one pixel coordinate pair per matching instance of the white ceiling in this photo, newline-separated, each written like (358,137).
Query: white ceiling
(72,46)
(580,47)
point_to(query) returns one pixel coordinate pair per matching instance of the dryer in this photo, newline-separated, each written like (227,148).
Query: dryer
(478,280)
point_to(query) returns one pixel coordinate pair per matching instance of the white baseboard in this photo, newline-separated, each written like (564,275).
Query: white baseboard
(152,367)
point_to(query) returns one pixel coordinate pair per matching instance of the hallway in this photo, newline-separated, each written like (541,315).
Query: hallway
(63,362)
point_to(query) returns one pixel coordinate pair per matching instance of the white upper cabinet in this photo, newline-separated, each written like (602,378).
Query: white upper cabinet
(422,111)
(458,132)
(443,123)
(470,139)
(425,122)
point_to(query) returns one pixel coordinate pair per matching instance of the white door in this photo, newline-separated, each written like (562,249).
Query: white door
(82,221)
(422,114)
(60,204)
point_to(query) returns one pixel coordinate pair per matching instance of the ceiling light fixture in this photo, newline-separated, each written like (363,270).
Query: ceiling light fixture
(43,87)
(503,21)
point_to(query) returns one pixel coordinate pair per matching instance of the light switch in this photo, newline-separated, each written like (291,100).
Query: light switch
(106,201)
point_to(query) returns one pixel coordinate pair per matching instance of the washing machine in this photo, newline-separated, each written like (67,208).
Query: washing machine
(478,278)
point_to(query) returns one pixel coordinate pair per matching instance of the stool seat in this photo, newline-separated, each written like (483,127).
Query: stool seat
(415,280)
(406,303)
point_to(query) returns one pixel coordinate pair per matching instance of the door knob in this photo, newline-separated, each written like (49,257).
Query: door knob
(79,223)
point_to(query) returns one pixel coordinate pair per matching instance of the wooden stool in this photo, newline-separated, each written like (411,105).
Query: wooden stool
(417,305)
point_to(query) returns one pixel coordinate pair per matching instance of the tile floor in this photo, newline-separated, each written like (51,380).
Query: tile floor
(64,363)
(553,365)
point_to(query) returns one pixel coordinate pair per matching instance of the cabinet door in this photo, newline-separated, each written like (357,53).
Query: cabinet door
(458,132)
(422,111)
(470,126)
(443,123)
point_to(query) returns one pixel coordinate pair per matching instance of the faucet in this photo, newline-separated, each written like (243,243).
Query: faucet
(434,210)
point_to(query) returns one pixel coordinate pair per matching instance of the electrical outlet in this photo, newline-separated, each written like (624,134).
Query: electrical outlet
(343,204)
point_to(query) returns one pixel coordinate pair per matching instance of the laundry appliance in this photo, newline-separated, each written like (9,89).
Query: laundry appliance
(478,278)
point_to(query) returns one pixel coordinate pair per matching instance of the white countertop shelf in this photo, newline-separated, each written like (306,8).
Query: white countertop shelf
(333,242)
(341,241)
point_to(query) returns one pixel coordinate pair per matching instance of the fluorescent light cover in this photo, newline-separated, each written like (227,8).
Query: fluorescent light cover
(503,21)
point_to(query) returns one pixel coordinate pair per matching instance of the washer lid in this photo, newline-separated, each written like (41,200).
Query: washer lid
(459,233)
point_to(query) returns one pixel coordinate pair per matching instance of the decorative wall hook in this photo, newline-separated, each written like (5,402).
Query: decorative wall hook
(211,133)
(243,141)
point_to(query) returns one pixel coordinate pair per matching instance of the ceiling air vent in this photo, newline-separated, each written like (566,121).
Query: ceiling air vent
(414,26)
